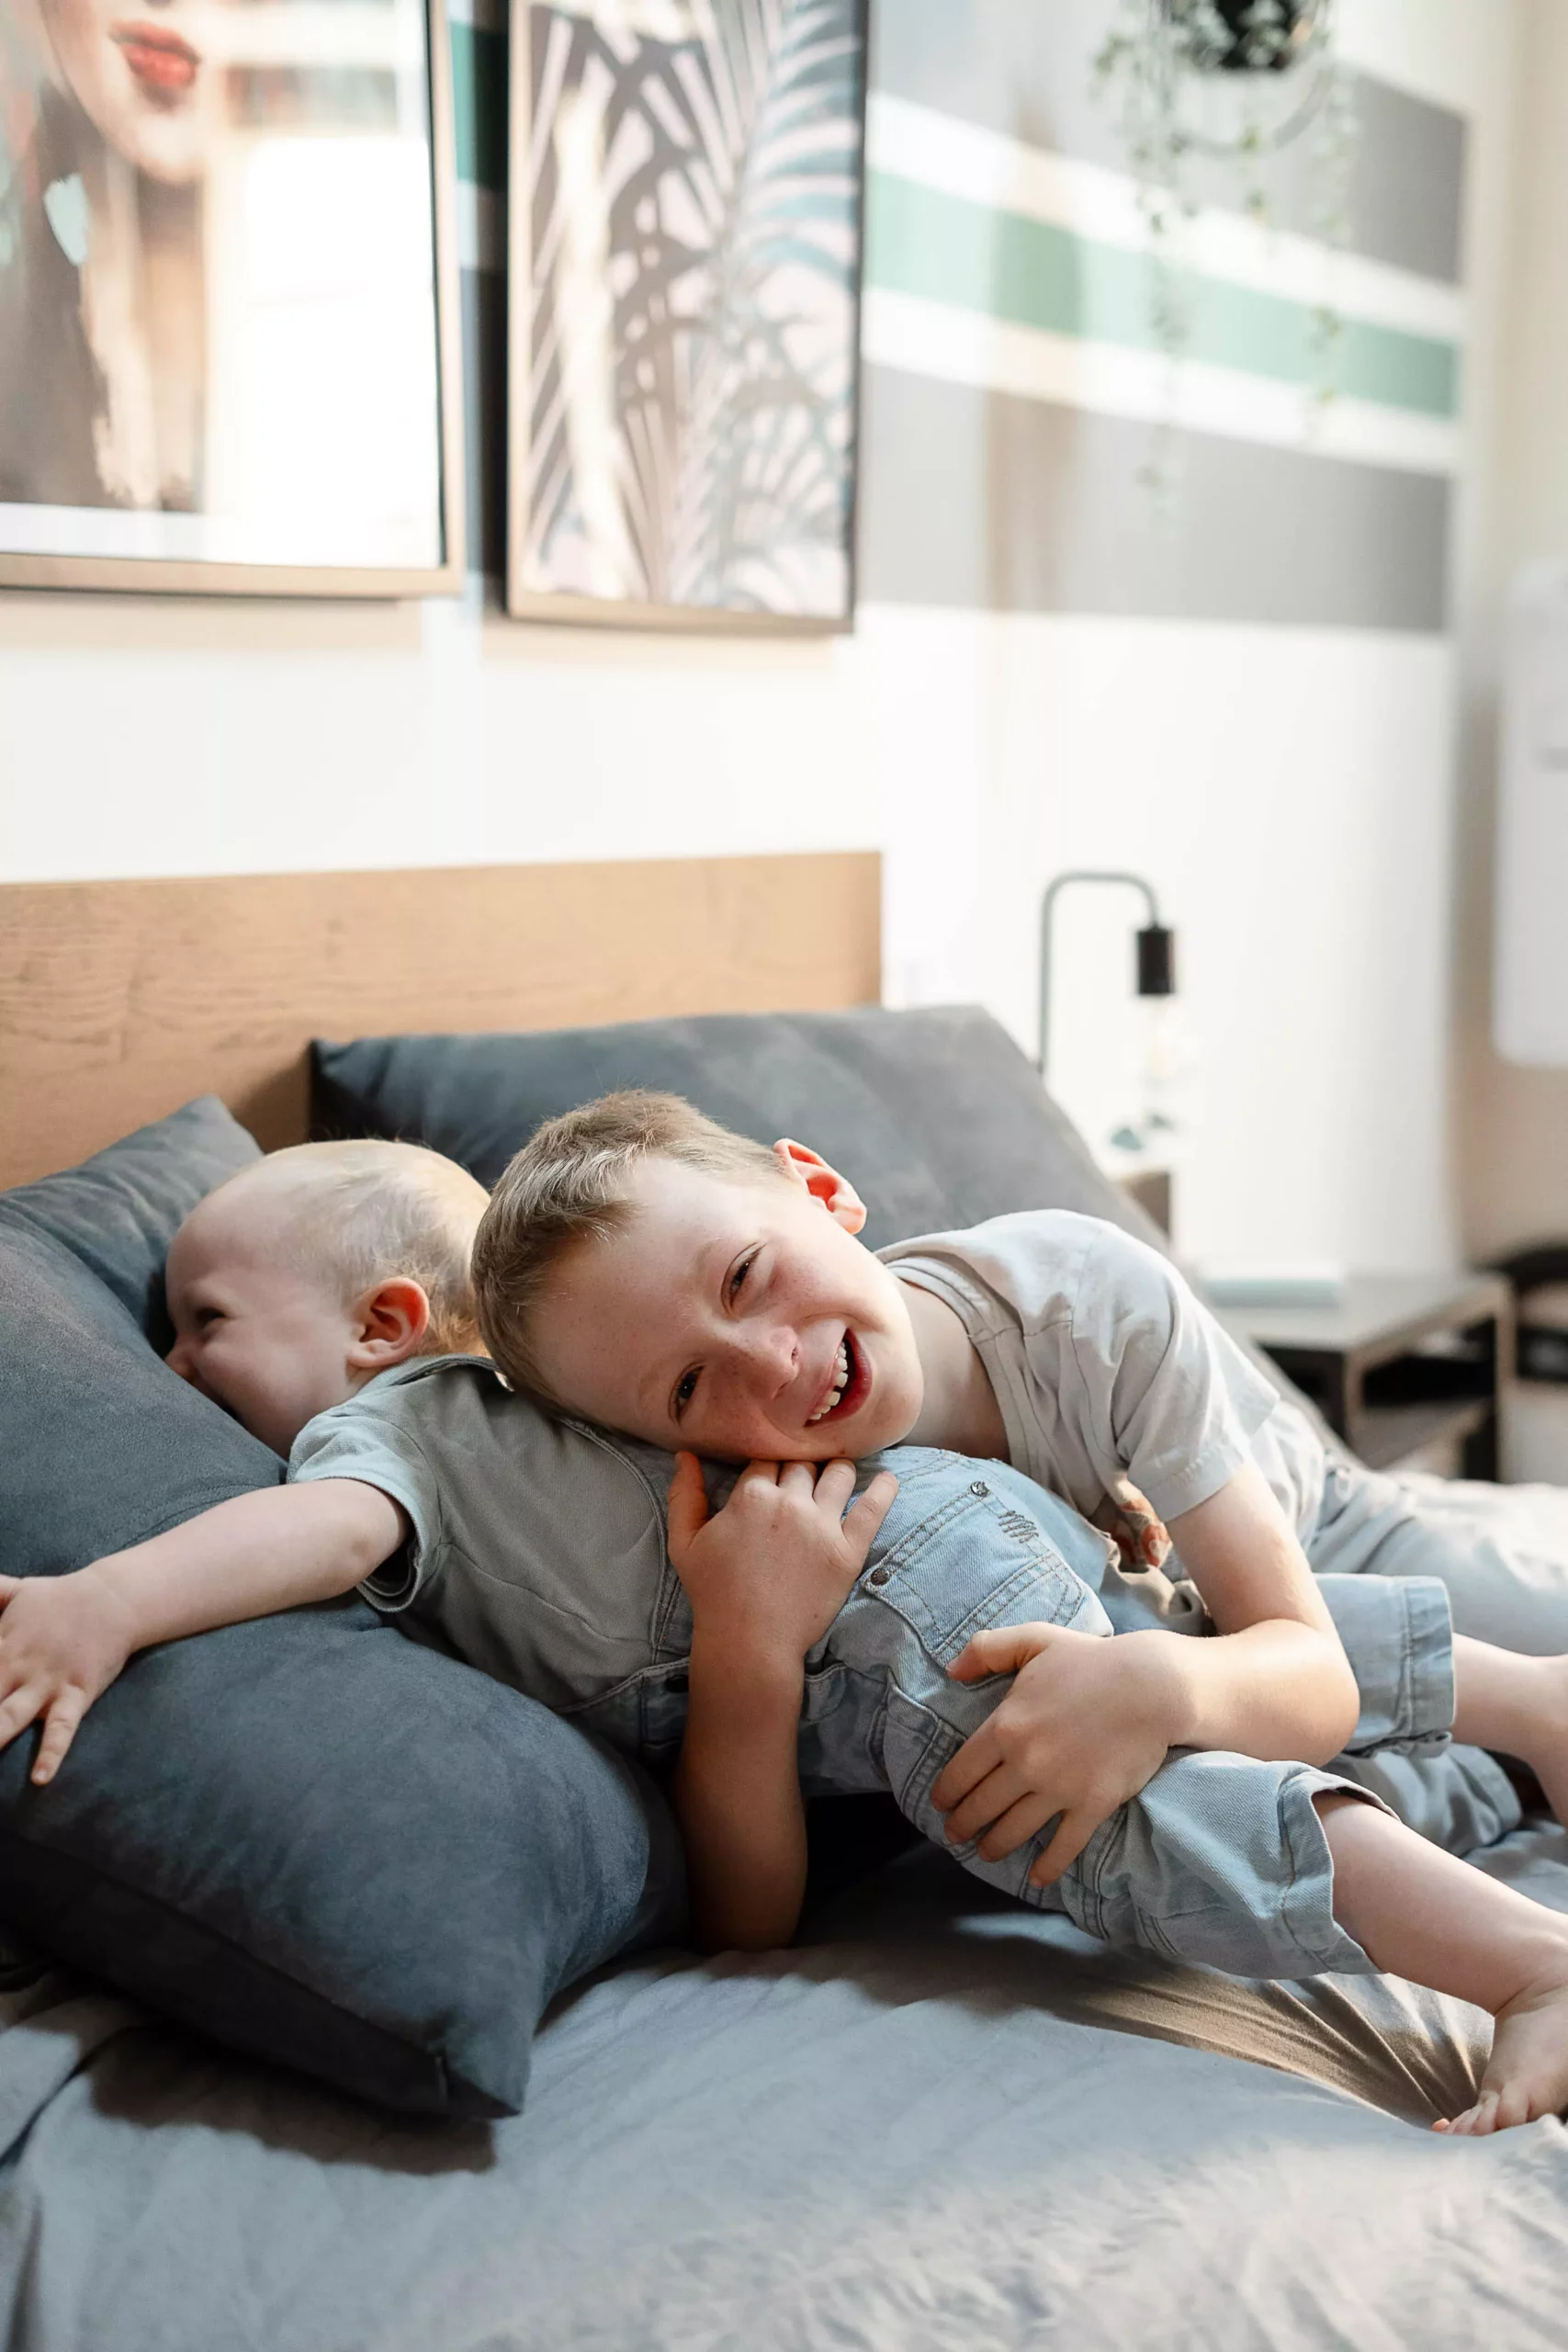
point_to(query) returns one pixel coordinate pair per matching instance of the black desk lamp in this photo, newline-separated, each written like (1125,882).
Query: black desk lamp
(1156,946)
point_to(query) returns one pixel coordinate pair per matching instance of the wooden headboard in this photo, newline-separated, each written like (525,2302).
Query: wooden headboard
(119,1000)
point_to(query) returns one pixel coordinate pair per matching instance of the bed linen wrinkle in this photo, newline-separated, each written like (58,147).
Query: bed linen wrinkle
(944,2120)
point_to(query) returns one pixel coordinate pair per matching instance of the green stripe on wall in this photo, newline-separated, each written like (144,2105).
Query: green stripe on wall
(478,105)
(1032,274)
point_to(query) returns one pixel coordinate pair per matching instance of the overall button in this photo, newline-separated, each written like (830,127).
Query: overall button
(879,1576)
(979,1487)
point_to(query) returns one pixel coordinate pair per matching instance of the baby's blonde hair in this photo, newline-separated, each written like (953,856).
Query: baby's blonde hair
(570,1184)
(364,1212)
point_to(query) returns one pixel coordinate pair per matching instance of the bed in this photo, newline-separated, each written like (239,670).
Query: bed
(935,2120)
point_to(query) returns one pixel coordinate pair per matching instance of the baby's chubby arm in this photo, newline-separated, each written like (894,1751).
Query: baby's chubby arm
(766,1577)
(64,1639)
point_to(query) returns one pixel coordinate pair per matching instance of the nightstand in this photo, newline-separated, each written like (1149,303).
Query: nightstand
(1403,1366)
(1150,1187)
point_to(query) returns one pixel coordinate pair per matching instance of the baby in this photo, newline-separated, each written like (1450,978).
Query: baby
(307,1295)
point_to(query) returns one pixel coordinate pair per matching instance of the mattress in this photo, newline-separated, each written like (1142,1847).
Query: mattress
(942,2121)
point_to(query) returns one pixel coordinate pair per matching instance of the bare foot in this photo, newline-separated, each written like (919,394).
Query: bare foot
(1527,2075)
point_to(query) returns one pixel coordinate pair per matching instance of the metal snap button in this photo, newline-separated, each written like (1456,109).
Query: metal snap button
(979,1487)
(879,1576)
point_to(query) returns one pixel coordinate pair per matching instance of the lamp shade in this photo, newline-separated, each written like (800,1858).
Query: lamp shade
(1157,960)
(1530,975)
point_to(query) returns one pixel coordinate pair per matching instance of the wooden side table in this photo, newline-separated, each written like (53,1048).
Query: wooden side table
(1150,1187)
(1400,1364)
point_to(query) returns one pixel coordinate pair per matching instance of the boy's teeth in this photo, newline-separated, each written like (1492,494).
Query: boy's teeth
(841,1381)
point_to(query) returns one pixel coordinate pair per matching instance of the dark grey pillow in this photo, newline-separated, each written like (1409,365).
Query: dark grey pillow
(935,1116)
(320,1841)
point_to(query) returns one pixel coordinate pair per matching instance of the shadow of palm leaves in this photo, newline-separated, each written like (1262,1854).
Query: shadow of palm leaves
(732,160)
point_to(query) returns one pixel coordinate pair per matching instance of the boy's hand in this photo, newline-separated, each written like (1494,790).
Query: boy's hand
(767,1575)
(63,1641)
(1086,1723)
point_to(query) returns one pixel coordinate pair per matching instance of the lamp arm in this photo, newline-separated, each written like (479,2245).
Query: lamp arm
(1047,913)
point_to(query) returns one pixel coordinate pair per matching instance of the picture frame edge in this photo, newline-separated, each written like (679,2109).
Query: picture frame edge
(192,576)
(561,607)
(519,293)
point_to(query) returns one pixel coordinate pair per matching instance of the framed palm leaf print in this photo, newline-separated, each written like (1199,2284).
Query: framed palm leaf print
(684,235)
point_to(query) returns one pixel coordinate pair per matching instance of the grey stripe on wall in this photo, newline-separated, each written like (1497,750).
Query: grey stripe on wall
(981,498)
(1024,67)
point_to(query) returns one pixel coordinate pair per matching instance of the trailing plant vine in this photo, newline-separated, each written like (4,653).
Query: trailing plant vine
(1199,82)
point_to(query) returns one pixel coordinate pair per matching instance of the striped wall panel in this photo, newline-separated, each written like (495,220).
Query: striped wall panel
(1014,390)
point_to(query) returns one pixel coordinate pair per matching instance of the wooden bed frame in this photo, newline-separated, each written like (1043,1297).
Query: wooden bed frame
(119,1000)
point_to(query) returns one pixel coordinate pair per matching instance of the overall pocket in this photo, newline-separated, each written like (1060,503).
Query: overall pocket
(974,1561)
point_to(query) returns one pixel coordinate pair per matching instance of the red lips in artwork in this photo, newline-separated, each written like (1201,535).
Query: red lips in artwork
(164,64)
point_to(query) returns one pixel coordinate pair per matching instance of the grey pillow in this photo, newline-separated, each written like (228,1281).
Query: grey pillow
(936,1116)
(309,1836)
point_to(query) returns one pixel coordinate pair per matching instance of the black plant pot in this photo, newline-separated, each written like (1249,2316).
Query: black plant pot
(1246,54)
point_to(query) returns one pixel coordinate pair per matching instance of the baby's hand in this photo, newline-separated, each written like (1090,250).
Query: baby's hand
(767,1575)
(1142,1538)
(63,1641)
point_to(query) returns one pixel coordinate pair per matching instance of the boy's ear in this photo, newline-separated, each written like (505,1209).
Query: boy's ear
(810,1169)
(390,1324)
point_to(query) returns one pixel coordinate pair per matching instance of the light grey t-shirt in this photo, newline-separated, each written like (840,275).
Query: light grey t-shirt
(1105,1365)
(536,1547)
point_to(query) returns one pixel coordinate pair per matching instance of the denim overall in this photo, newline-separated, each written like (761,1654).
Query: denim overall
(1221,1858)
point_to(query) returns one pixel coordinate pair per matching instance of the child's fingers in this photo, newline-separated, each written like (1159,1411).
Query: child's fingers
(18,1710)
(980,1754)
(834,1484)
(1073,1834)
(688,1505)
(1020,1822)
(1001,1649)
(985,1802)
(861,1523)
(59,1729)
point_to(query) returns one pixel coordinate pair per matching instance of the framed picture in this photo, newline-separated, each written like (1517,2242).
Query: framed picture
(229,328)
(683,258)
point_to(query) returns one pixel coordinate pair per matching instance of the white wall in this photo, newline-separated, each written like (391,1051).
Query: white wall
(1289,792)
(1514,1125)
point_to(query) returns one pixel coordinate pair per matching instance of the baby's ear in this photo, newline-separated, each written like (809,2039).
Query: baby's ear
(809,1169)
(390,1323)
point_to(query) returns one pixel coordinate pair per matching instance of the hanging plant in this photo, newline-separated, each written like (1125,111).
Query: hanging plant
(1232,81)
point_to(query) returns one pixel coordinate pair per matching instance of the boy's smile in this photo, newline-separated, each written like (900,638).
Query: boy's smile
(739,1319)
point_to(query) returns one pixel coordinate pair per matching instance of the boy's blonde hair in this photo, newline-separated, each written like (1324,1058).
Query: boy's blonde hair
(572,1183)
(364,1212)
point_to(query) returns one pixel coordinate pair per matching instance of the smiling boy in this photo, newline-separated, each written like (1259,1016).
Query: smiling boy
(641,1266)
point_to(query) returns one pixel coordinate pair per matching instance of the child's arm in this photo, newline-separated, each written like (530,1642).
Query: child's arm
(1277,1684)
(1076,1732)
(766,1579)
(64,1639)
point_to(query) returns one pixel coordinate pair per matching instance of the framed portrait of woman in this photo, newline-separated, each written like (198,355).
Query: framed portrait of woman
(684,249)
(229,330)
